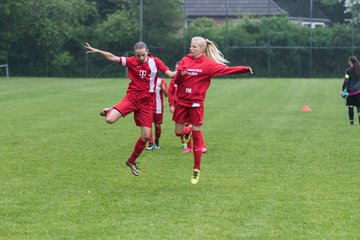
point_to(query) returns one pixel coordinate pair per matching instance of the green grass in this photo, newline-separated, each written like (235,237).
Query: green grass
(272,171)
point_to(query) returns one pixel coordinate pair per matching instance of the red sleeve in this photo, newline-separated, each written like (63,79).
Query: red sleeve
(125,61)
(161,66)
(218,69)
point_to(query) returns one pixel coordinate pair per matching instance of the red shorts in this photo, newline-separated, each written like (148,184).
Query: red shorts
(193,115)
(158,118)
(142,109)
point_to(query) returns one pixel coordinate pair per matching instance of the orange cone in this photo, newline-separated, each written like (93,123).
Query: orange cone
(306,109)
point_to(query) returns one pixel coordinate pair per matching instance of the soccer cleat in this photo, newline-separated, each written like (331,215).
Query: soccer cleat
(150,147)
(188,150)
(104,111)
(195,177)
(187,137)
(157,146)
(351,122)
(204,150)
(133,168)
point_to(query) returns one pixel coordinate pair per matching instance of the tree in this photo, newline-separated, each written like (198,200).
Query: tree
(162,19)
(9,11)
(106,7)
(353,7)
(117,32)
(205,27)
(165,23)
(44,28)
(333,9)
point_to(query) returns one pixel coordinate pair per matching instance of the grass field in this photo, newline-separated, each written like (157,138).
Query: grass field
(272,171)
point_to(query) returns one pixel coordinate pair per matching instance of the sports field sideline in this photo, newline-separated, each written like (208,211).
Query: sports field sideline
(271,172)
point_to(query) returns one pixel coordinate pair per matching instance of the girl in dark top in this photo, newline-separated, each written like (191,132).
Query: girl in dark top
(351,88)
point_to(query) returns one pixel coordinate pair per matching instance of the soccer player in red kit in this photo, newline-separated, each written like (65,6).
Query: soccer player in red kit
(158,110)
(186,136)
(143,72)
(193,80)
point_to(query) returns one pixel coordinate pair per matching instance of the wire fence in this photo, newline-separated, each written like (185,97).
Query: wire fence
(268,60)
(311,60)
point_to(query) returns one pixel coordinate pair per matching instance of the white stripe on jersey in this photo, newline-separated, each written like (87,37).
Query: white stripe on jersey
(158,96)
(123,61)
(153,73)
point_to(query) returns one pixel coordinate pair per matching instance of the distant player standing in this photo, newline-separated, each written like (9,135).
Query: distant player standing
(143,72)
(351,88)
(158,112)
(193,80)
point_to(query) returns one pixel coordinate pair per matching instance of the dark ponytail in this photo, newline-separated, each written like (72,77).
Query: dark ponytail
(356,65)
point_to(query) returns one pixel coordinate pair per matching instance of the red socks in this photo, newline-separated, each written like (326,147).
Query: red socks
(187,130)
(189,144)
(139,147)
(197,151)
(157,133)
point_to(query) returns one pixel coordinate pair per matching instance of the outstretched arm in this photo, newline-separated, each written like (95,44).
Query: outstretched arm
(221,70)
(109,56)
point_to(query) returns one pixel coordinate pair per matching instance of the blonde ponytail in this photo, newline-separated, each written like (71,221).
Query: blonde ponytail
(214,53)
(211,50)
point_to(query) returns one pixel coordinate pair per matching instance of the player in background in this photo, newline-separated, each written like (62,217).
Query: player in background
(185,138)
(351,88)
(158,112)
(193,79)
(143,71)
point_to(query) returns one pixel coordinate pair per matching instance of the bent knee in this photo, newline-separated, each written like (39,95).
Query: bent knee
(109,120)
(146,138)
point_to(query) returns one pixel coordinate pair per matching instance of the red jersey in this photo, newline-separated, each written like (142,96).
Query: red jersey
(158,97)
(142,75)
(172,92)
(192,87)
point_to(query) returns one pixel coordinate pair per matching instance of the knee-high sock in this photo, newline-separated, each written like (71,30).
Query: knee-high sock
(157,132)
(197,151)
(190,144)
(139,147)
(351,113)
(187,130)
